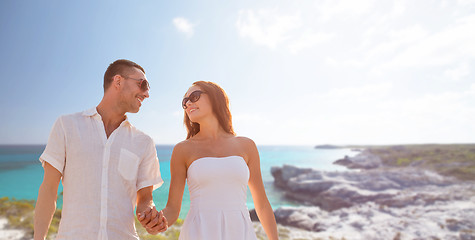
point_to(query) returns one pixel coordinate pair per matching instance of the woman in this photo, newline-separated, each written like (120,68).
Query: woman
(218,166)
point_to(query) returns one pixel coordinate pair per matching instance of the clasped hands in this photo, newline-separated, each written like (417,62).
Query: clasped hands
(153,221)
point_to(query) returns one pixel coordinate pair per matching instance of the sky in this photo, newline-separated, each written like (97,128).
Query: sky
(296,72)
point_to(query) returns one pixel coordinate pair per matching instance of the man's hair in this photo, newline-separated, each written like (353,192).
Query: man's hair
(121,67)
(220,105)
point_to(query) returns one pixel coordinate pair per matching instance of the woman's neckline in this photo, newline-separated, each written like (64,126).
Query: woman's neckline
(216,158)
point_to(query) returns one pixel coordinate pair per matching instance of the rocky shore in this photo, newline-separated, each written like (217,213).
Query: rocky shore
(377,201)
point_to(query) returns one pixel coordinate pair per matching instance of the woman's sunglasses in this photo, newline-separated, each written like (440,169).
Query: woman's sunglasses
(144,86)
(194,96)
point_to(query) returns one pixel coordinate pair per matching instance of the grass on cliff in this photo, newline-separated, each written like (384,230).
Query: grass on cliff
(20,215)
(172,232)
(456,160)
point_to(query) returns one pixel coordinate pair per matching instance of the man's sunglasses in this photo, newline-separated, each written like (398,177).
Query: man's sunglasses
(194,96)
(144,86)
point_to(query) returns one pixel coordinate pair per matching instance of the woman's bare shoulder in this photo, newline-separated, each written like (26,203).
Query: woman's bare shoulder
(248,148)
(245,141)
(247,145)
(182,148)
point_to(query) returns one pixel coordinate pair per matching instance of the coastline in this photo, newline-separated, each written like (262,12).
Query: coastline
(300,155)
(396,192)
(388,188)
(24,181)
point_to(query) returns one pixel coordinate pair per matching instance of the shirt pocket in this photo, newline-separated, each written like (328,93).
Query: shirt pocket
(128,164)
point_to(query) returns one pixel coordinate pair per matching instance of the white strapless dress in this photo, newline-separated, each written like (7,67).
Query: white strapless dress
(218,187)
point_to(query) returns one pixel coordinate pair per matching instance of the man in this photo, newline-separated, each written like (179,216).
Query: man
(107,166)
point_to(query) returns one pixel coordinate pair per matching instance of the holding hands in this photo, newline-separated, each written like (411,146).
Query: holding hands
(153,221)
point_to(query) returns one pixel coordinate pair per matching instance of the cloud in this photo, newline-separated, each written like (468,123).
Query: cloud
(331,9)
(272,29)
(266,27)
(309,39)
(441,48)
(366,92)
(374,114)
(399,8)
(466,2)
(398,39)
(184,26)
(387,72)
(458,73)
(392,43)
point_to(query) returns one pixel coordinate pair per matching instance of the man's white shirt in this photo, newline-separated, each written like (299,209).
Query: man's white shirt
(100,175)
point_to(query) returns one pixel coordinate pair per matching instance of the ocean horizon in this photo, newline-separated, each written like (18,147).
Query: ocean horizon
(21,172)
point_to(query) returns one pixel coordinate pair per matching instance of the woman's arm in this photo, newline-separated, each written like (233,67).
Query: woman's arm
(177,183)
(263,208)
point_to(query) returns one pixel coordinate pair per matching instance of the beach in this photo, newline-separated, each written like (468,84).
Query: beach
(19,166)
(9,234)
(391,192)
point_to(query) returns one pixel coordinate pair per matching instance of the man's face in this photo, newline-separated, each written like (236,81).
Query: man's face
(132,92)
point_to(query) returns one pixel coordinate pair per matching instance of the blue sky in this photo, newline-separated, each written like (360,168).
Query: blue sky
(296,72)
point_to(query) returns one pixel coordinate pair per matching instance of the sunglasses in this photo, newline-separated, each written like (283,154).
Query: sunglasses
(194,96)
(144,86)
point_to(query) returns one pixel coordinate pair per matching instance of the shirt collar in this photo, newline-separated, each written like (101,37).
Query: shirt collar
(126,121)
(92,112)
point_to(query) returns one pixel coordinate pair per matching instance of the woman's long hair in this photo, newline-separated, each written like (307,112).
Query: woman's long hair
(220,106)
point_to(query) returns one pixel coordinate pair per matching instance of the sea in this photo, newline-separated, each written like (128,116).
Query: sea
(21,172)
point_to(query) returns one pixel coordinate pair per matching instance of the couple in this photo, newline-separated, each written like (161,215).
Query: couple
(108,168)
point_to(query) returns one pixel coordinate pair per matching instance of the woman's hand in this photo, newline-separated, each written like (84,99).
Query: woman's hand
(153,221)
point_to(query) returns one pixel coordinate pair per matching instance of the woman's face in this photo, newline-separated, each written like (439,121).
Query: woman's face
(200,108)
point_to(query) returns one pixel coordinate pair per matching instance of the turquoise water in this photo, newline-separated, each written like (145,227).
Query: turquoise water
(21,172)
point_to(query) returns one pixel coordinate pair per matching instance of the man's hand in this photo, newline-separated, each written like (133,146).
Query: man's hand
(153,221)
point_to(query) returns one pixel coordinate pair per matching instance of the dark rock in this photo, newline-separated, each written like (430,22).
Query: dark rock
(397,236)
(309,186)
(253,215)
(295,218)
(357,225)
(284,174)
(334,190)
(467,236)
(398,148)
(344,162)
(344,215)
(331,203)
(364,160)
(327,146)
(452,225)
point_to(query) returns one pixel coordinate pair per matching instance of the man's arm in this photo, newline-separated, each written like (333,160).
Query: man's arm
(144,200)
(152,220)
(46,203)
